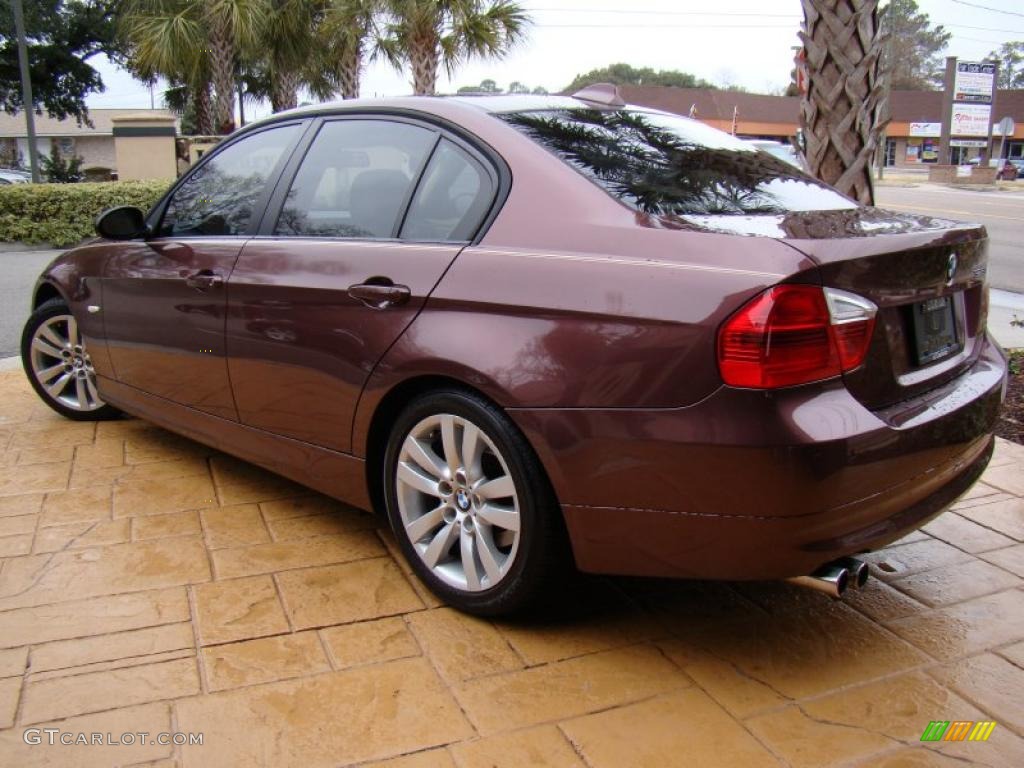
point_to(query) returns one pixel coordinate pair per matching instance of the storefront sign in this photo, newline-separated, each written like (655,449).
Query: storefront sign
(971,120)
(925,129)
(974,81)
(980,143)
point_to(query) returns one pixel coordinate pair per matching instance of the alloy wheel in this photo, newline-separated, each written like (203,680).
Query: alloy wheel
(62,366)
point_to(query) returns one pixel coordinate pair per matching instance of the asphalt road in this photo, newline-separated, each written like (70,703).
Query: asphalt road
(1002,213)
(18,273)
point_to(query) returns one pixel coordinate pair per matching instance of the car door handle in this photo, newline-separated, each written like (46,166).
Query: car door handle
(380,295)
(203,280)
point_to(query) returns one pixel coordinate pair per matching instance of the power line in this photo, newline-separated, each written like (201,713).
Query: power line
(988,8)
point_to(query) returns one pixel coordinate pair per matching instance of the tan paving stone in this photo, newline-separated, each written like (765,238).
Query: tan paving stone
(1005,477)
(52,433)
(163,526)
(361,714)
(879,601)
(93,533)
(13,546)
(1010,559)
(264,660)
(462,647)
(80,505)
(321,525)
(47,454)
(10,692)
(568,688)
(239,609)
(955,583)
(13,662)
(85,477)
(966,534)
(966,628)
(151,718)
(1006,517)
(241,483)
(369,642)
(133,567)
(893,562)
(387,538)
(158,445)
(912,757)
(340,594)
(35,478)
(736,691)
(81,618)
(234,526)
(98,691)
(23,504)
(989,682)
(540,747)
(304,505)
(431,758)
(103,454)
(66,654)
(282,555)
(10,526)
(159,495)
(648,735)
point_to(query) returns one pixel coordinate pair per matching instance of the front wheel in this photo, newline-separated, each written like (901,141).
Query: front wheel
(470,505)
(58,364)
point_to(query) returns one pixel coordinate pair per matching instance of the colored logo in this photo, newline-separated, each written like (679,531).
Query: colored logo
(958,730)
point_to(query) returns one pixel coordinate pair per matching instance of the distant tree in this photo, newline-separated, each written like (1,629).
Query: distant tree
(540,90)
(516,87)
(1011,64)
(625,74)
(913,56)
(489,86)
(59,169)
(62,37)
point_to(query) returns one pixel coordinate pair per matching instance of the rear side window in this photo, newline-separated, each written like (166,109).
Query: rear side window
(666,165)
(219,197)
(355,179)
(452,197)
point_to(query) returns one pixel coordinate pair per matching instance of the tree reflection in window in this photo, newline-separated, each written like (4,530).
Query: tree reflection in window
(219,197)
(666,166)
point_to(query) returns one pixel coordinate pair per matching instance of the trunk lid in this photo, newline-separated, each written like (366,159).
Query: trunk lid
(914,268)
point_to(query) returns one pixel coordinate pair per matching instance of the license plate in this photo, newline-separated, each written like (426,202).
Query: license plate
(935,333)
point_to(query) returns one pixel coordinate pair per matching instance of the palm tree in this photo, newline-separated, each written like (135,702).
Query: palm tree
(845,108)
(427,33)
(233,28)
(347,27)
(286,47)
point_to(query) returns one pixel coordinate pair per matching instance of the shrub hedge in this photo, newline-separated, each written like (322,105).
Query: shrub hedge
(63,214)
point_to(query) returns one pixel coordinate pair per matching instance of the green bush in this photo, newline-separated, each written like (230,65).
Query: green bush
(63,214)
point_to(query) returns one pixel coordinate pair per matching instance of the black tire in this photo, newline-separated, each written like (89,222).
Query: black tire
(535,575)
(47,311)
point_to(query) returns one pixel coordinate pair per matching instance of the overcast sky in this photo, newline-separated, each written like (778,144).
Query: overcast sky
(743,42)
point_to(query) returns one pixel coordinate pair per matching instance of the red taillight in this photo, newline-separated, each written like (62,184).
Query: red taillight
(794,334)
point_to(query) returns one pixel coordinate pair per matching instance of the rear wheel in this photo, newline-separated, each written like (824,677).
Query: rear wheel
(58,364)
(470,505)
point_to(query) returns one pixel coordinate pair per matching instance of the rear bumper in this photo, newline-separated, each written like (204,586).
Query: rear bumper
(753,485)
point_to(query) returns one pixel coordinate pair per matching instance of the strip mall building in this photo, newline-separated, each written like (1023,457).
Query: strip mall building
(912,137)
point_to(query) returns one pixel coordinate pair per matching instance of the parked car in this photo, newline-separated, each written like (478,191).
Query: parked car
(542,330)
(11,176)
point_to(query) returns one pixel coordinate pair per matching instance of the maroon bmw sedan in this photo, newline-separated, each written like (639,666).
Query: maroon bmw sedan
(538,331)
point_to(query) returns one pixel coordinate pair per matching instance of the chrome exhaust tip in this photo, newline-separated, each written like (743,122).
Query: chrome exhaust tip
(831,579)
(859,571)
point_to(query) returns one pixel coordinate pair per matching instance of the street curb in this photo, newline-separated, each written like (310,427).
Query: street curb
(10,363)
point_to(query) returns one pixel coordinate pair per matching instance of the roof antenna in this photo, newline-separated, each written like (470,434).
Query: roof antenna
(605,94)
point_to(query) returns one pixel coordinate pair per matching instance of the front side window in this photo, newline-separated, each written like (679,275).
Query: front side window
(665,165)
(452,198)
(355,179)
(220,197)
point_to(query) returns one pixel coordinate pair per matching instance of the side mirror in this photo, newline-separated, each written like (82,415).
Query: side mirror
(123,222)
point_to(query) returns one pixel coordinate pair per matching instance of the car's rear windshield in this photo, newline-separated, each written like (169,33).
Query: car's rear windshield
(665,165)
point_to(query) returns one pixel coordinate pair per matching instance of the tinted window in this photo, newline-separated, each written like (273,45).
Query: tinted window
(220,196)
(355,179)
(666,165)
(451,199)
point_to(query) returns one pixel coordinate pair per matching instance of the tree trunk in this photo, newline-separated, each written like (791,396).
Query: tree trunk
(349,70)
(201,106)
(284,86)
(845,108)
(424,70)
(222,71)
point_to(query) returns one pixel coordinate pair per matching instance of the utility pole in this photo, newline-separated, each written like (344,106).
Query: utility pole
(26,90)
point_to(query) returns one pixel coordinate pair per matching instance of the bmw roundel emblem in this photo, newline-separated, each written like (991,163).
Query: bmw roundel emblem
(951,267)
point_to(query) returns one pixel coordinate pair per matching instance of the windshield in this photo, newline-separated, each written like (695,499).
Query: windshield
(672,166)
